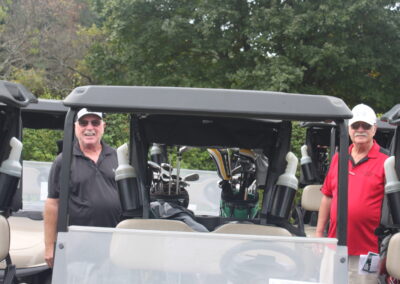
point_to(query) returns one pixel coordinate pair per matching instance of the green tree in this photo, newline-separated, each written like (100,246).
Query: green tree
(348,49)
(41,44)
(40,144)
(117,129)
(298,139)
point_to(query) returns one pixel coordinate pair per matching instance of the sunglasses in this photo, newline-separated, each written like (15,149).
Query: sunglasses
(364,125)
(84,122)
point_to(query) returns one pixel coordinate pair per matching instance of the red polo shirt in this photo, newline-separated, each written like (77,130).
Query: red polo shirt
(365,195)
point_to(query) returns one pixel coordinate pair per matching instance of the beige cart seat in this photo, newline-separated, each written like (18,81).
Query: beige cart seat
(393,257)
(127,253)
(27,242)
(251,229)
(310,201)
(4,237)
(155,224)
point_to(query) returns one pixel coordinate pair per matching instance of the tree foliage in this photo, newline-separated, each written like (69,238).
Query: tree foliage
(348,49)
(40,144)
(41,45)
(117,129)
(345,48)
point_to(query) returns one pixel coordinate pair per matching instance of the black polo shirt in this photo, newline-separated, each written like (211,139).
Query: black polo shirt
(94,199)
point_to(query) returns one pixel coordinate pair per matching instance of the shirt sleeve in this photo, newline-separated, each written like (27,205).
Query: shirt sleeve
(54,179)
(327,187)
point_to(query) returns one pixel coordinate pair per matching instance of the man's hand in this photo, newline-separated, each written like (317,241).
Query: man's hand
(50,229)
(49,254)
(319,234)
(323,216)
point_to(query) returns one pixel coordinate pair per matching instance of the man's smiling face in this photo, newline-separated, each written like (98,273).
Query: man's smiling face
(361,132)
(89,130)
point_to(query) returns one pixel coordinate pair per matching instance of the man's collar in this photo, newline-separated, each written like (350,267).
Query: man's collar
(105,149)
(373,152)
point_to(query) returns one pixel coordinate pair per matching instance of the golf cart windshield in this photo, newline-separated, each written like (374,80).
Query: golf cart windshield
(210,119)
(45,114)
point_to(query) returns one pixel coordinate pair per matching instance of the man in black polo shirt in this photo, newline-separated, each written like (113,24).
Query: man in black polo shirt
(94,199)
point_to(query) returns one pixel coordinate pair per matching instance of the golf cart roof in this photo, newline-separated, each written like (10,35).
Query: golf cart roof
(209,102)
(382,125)
(393,115)
(385,126)
(320,124)
(14,94)
(46,113)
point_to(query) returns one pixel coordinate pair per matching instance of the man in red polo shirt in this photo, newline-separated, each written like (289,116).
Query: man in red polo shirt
(365,193)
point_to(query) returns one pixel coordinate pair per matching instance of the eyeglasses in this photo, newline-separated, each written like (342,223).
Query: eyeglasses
(364,125)
(84,123)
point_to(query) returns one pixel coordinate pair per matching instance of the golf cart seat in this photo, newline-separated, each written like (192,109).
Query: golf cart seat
(154,224)
(393,260)
(4,237)
(27,244)
(251,229)
(310,201)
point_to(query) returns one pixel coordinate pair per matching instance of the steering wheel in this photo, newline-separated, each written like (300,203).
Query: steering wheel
(257,262)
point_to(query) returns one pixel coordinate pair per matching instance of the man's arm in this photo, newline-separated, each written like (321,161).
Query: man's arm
(323,215)
(50,229)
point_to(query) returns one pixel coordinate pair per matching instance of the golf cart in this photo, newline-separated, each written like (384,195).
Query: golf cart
(389,232)
(26,219)
(13,97)
(321,143)
(265,247)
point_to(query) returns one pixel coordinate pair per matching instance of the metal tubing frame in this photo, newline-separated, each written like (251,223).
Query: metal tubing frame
(396,150)
(139,162)
(332,148)
(63,220)
(343,169)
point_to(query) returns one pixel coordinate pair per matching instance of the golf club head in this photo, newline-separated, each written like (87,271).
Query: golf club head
(183,149)
(248,154)
(191,177)
(183,184)
(166,167)
(154,166)
(164,178)
(221,159)
(175,177)
(236,170)
(247,165)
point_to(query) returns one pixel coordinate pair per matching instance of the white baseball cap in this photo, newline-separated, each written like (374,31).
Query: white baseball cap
(363,113)
(84,112)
